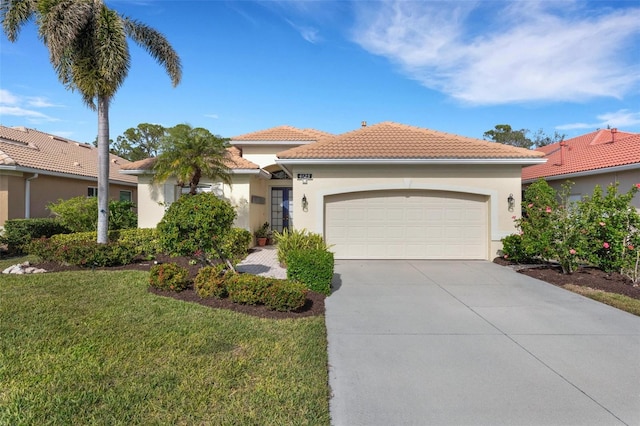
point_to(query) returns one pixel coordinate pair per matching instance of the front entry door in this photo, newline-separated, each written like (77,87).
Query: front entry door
(281,208)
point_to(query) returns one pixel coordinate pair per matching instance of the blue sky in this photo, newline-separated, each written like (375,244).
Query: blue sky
(455,66)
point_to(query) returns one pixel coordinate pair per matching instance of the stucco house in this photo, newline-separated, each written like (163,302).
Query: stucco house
(600,158)
(379,192)
(37,168)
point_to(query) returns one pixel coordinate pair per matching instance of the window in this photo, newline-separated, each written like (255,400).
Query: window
(125,196)
(92,191)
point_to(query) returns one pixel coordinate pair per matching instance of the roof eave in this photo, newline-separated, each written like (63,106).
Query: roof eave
(63,175)
(259,172)
(586,173)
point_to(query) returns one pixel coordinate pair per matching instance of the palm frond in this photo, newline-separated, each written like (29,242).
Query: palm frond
(14,14)
(157,46)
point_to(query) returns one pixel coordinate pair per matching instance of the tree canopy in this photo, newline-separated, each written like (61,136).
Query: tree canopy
(138,143)
(188,154)
(505,134)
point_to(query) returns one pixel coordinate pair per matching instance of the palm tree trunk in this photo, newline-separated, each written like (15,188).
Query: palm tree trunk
(103,169)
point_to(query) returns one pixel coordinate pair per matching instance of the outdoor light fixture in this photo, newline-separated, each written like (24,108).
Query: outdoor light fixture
(305,203)
(512,202)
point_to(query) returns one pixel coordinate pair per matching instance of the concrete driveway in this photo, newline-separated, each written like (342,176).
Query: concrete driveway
(474,343)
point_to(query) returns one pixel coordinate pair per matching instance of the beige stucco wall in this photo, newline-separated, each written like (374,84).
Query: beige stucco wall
(584,185)
(44,190)
(496,182)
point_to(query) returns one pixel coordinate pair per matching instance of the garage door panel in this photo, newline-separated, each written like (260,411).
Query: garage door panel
(407,225)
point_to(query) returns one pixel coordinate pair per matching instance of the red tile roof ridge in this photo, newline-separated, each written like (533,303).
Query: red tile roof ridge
(281,133)
(234,161)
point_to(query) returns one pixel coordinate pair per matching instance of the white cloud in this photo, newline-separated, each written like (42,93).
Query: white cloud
(310,34)
(619,119)
(214,116)
(8,98)
(499,53)
(29,115)
(40,102)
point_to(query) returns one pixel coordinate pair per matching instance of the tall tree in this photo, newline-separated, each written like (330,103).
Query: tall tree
(88,48)
(503,133)
(189,154)
(138,143)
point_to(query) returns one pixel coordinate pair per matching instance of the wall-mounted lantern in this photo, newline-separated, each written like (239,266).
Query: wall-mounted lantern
(511,202)
(305,203)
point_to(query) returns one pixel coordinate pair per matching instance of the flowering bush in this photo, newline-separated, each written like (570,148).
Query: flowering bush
(601,230)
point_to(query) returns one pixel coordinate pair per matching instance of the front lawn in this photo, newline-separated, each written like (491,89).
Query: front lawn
(98,348)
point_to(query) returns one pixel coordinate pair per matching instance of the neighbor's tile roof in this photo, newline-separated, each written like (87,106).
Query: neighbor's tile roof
(282,134)
(234,161)
(395,141)
(29,148)
(596,150)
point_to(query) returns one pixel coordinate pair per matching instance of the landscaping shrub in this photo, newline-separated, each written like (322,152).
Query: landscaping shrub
(513,250)
(210,282)
(169,276)
(145,239)
(80,214)
(275,294)
(297,240)
(285,296)
(611,228)
(18,233)
(196,225)
(235,244)
(313,268)
(83,253)
(248,289)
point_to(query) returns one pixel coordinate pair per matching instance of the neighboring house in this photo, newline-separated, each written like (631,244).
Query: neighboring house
(38,168)
(379,192)
(600,158)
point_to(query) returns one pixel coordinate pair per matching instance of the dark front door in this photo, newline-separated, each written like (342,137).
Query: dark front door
(281,208)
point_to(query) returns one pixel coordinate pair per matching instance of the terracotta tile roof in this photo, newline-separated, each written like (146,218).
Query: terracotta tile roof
(234,161)
(389,140)
(282,133)
(29,148)
(596,150)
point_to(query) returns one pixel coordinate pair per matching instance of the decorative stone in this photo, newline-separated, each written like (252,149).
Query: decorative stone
(23,268)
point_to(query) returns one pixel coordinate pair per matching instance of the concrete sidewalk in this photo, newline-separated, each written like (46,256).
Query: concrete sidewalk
(474,343)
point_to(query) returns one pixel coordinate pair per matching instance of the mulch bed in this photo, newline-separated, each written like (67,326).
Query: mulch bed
(584,277)
(313,307)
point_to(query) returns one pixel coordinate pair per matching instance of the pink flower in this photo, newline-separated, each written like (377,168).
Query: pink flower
(572,251)
(637,185)
(630,247)
(530,205)
(548,209)
(602,224)
(505,256)
(605,245)
(513,217)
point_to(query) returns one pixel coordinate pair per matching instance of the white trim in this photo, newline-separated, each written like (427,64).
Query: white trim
(587,173)
(393,161)
(496,234)
(63,175)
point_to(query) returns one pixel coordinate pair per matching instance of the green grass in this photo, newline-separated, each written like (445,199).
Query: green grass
(97,348)
(619,301)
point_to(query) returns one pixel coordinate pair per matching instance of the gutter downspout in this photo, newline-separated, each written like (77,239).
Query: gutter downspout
(27,196)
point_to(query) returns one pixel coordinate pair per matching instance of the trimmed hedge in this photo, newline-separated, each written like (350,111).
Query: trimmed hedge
(145,239)
(275,294)
(169,276)
(210,282)
(313,268)
(297,239)
(18,233)
(84,253)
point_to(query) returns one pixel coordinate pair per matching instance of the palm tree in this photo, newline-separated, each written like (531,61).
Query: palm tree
(88,49)
(190,153)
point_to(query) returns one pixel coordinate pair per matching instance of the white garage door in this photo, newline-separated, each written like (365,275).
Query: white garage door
(407,225)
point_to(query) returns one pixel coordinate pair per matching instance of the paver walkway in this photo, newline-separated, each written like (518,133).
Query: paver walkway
(263,261)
